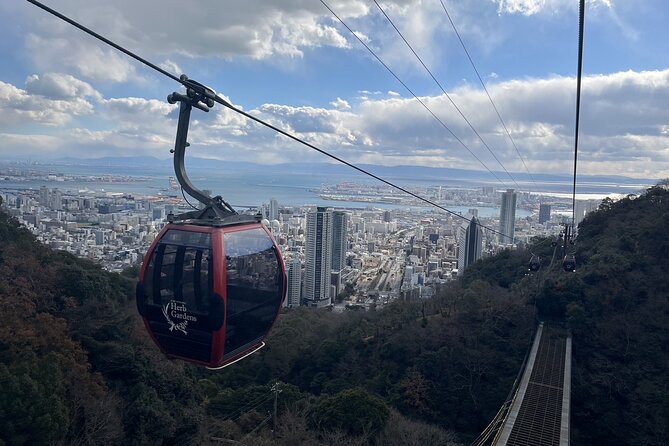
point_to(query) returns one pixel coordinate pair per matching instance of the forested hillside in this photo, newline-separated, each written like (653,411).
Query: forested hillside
(76,366)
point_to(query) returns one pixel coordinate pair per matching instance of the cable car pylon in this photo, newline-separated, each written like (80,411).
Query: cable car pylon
(213,281)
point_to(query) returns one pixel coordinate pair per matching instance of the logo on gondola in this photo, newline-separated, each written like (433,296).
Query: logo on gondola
(176,310)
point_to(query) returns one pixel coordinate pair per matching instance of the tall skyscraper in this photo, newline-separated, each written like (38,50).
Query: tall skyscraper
(44,196)
(56,200)
(294,282)
(273,212)
(318,258)
(507,217)
(470,243)
(544,213)
(339,239)
(583,208)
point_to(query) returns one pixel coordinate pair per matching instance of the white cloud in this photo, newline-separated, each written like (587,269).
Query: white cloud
(623,128)
(532,7)
(20,107)
(59,86)
(171,67)
(340,104)
(90,60)
(215,28)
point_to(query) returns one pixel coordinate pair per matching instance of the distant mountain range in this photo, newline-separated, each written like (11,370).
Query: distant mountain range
(394,172)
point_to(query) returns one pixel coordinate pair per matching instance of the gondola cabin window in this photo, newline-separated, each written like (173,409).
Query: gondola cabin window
(254,287)
(181,269)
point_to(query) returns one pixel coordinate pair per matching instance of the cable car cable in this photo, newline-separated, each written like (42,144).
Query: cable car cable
(257,402)
(210,94)
(471,61)
(186,199)
(471,126)
(581,25)
(412,92)
(250,405)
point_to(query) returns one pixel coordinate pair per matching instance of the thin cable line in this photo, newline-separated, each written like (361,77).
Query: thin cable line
(471,61)
(226,104)
(189,203)
(353,166)
(581,20)
(411,92)
(249,406)
(446,93)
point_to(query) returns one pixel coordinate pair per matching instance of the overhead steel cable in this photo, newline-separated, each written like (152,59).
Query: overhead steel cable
(471,61)
(248,407)
(411,91)
(441,87)
(183,80)
(581,25)
(351,165)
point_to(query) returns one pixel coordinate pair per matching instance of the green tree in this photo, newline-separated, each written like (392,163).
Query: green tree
(354,411)
(33,406)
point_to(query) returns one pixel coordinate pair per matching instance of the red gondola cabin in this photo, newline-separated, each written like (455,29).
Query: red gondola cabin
(209,294)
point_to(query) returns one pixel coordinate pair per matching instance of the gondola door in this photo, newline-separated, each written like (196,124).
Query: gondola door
(177,294)
(255,287)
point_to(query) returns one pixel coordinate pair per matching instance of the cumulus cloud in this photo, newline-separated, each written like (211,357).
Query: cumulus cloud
(624,126)
(90,60)
(213,29)
(531,7)
(59,86)
(219,29)
(340,104)
(57,107)
(171,67)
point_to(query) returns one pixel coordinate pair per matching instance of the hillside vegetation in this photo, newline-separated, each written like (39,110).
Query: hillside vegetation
(76,366)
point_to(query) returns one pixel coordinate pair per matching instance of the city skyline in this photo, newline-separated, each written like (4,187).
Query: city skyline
(384,255)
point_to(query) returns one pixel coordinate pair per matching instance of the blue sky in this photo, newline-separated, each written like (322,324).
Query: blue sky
(292,63)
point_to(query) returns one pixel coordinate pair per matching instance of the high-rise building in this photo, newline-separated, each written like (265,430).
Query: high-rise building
(583,208)
(339,239)
(44,196)
(158,213)
(507,217)
(273,211)
(56,200)
(318,257)
(335,284)
(544,213)
(470,243)
(294,282)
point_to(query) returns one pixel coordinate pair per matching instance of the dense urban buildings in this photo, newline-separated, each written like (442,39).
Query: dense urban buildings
(341,256)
